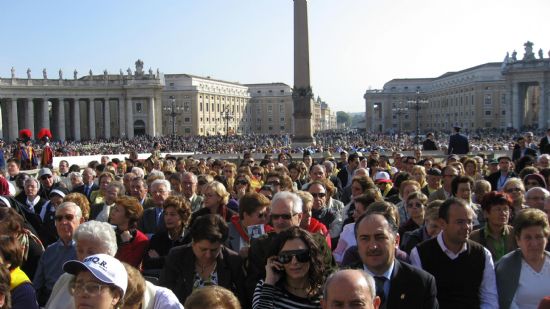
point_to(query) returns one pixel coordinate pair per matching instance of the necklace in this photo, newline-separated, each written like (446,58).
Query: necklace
(305,288)
(206,269)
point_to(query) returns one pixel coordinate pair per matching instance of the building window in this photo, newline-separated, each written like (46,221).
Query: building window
(282,119)
(187,119)
(488,100)
(269,119)
(270,128)
(487,113)
(207,105)
(186,106)
(282,128)
(138,107)
(187,130)
(503,112)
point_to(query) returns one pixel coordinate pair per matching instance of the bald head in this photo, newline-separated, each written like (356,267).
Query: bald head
(350,288)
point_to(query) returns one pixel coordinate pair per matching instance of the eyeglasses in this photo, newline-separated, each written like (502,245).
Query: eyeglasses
(319,195)
(283,216)
(274,183)
(302,256)
(60,218)
(415,205)
(91,288)
(242,182)
(453,175)
(532,183)
(512,190)
(257,174)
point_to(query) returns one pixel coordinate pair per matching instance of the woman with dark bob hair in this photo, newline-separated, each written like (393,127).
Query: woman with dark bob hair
(523,275)
(497,236)
(131,242)
(206,261)
(177,212)
(294,273)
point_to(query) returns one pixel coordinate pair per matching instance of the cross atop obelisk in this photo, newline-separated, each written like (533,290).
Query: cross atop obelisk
(302,95)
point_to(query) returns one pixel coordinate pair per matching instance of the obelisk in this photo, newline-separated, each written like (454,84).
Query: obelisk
(302,95)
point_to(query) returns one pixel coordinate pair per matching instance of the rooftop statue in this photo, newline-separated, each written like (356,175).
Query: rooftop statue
(29,73)
(541,54)
(44,73)
(139,67)
(60,74)
(12,72)
(529,55)
(75,74)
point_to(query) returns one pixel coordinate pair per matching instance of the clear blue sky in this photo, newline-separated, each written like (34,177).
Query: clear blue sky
(354,44)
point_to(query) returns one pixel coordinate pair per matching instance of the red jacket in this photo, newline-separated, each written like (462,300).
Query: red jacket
(317,227)
(133,251)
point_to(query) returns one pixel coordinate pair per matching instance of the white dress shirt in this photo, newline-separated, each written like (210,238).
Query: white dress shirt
(488,290)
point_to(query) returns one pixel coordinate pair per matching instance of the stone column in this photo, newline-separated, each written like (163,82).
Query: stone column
(14,121)
(44,114)
(543,108)
(129,118)
(91,118)
(121,118)
(302,95)
(516,113)
(76,119)
(107,118)
(60,120)
(151,117)
(29,115)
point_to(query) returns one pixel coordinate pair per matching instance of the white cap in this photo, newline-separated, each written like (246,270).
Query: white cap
(104,267)
(382,177)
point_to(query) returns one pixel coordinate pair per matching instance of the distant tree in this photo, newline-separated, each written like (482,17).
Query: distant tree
(343,118)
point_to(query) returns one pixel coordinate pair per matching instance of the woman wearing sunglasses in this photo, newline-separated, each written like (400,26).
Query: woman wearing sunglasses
(241,186)
(415,205)
(294,273)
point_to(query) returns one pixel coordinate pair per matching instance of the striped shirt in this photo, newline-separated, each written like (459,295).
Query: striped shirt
(268,296)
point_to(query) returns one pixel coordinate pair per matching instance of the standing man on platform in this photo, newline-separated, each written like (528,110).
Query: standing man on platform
(458,143)
(429,144)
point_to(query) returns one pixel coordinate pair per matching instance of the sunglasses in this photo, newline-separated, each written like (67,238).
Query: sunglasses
(274,183)
(320,195)
(302,256)
(242,182)
(60,218)
(284,216)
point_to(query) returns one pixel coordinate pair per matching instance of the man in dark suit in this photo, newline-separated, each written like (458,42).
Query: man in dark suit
(398,285)
(88,177)
(458,143)
(348,288)
(152,220)
(346,174)
(499,178)
(521,149)
(429,144)
(544,145)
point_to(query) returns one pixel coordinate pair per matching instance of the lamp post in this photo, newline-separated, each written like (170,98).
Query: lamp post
(399,110)
(417,102)
(173,112)
(227,115)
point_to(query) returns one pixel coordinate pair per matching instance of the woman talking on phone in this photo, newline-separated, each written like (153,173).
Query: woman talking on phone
(294,273)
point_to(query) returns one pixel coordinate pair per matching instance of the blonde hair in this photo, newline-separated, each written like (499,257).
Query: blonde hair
(213,296)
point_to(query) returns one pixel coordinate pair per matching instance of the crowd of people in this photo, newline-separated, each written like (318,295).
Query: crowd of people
(361,229)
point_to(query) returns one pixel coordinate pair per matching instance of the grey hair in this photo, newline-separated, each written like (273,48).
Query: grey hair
(361,170)
(91,171)
(193,176)
(158,182)
(158,174)
(101,232)
(328,163)
(545,155)
(288,196)
(73,175)
(364,274)
(138,171)
(119,186)
(534,189)
(77,210)
(32,179)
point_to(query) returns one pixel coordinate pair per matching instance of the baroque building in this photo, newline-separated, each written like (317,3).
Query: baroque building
(136,102)
(514,93)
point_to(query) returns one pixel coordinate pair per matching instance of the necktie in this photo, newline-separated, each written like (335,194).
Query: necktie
(87,191)
(380,280)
